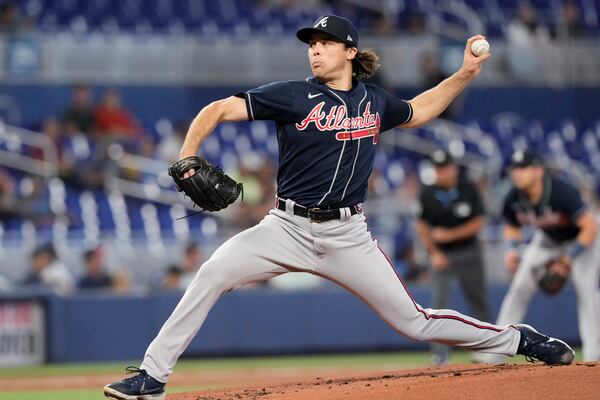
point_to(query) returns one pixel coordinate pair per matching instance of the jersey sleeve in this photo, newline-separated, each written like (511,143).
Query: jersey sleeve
(273,101)
(395,111)
(508,211)
(571,202)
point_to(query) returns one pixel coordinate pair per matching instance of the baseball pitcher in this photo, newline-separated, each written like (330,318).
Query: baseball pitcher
(328,127)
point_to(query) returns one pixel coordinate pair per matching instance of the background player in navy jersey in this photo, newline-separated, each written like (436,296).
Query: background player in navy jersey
(328,127)
(566,228)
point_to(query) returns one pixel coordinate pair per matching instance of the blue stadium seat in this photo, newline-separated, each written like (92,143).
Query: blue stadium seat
(239,17)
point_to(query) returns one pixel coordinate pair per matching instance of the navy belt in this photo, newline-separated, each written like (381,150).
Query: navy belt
(317,214)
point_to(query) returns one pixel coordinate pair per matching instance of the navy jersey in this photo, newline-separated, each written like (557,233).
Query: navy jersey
(556,213)
(326,137)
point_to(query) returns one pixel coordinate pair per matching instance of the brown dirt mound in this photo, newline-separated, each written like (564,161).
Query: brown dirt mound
(502,381)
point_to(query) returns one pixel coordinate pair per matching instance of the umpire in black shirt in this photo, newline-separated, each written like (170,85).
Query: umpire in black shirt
(451,217)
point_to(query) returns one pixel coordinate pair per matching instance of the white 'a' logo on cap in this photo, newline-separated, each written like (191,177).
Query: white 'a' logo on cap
(322,22)
(349,38)
(519,156)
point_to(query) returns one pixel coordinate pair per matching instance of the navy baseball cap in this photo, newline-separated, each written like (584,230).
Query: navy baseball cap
(441,158)
(339,27)
(524,159)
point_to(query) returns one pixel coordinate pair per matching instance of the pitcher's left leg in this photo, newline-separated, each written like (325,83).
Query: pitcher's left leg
(354,261)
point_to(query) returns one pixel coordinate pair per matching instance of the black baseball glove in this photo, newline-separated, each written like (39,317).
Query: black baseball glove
(554,275)
(209,188)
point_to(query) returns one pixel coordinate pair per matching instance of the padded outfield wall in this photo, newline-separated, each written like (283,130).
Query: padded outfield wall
(99,327)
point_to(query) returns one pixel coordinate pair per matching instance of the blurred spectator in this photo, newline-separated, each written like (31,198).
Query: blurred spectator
(52,129)
(523,34)
(114,121)
(83,161)
(525,29)
(96,276)
(10,20)
(572,24)
(47,270)
(80,110)
(192,260)
(8,196)
(31,202)
(172,279)
(34,203)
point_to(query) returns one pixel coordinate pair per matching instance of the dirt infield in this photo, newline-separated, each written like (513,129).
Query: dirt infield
(533,381)
(502,381)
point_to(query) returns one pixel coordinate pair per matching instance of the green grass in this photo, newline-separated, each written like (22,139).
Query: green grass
(335,360)
(397,360)
(84,394)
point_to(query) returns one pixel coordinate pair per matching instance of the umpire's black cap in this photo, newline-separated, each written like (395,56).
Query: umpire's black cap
(338,27)
(441,158)
(524,159)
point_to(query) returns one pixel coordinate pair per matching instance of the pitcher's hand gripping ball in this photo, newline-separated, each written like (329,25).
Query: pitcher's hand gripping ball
(209,187)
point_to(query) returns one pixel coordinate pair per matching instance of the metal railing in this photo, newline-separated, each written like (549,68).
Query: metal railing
(157,188)
(452,136)
(190,60)
(14,138)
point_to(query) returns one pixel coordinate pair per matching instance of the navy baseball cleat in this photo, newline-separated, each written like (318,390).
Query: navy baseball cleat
(139,387)
(535,346)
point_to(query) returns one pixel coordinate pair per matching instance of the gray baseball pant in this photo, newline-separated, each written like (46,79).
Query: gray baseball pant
(342,251)
(585,274)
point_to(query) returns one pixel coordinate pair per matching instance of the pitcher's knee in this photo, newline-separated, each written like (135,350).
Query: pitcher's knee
(413,327)
(213,274)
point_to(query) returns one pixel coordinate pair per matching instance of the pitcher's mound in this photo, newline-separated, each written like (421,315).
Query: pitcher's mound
(501,381)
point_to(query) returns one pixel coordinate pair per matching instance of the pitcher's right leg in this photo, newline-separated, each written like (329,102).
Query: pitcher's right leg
(270,248)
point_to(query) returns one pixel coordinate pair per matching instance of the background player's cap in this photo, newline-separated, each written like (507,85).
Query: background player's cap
(441,158)
(524,158)
(338,27)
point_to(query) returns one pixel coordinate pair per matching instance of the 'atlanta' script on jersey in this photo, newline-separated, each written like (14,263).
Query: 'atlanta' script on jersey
(336,120)
(547,220)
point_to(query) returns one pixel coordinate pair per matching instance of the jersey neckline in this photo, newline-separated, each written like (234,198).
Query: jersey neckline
(316,81)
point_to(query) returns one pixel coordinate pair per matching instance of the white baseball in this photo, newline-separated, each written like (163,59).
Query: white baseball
(480,47)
